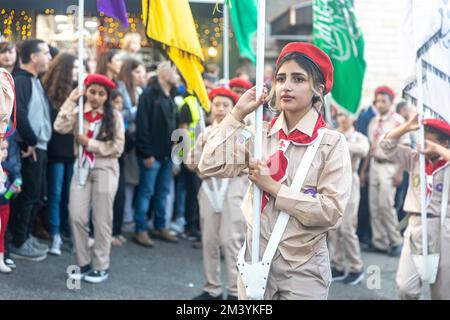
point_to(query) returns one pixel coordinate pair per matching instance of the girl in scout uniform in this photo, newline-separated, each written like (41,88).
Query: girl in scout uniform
(94,185)
(344,242)
(221,220)
(299,265)
(437,133)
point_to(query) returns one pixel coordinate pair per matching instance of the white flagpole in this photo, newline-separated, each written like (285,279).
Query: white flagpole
(423,207)
(258,125)
(80,72)
(226,44)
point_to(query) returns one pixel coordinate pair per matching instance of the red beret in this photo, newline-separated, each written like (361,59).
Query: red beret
(241,83)
(100,80)
(223,92)
(439,125)
(385,90)
(320,58)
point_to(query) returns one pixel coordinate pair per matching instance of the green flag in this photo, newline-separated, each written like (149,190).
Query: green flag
(337,33)
(244,15)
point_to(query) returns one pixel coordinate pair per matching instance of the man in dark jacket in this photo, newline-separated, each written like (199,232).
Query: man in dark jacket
(34,131)
(155,122)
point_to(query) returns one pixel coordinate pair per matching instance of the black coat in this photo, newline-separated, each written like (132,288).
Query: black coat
(60,148)
(155,122)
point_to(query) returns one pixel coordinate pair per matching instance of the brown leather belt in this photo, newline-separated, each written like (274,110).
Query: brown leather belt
(382,161)
(429,215)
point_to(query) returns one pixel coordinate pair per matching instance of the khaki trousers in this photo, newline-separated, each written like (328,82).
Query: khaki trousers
(310,281)
(226,231)
(343,241)
(383,216)
(409,284)
(98,194)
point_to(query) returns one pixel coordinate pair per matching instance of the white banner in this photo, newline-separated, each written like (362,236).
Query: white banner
(426,35)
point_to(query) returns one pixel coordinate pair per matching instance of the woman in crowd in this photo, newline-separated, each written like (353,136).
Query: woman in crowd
(58,83)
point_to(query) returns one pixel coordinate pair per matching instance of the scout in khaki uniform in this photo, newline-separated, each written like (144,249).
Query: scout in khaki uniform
(344,242)
(221,220)
(384,177)
(299,265)
(95,184)
(437,133)
(239,86)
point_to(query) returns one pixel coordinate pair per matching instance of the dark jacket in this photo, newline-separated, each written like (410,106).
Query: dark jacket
(155,122)
(60,147)
(33,114)
(363,121)
(22,83)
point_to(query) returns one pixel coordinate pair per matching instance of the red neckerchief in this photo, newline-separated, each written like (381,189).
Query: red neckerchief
(431,169)
(93,122)
(378,131)
(278,162)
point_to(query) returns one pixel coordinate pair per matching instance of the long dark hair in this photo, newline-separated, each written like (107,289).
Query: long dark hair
(107,130)
(313,72)
(103,60)
(125,75)
(58,81)
(9,46)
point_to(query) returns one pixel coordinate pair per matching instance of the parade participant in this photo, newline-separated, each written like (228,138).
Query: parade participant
(102,141)
(300,267)
(437,132)
(221,220)
(239,86)
(384,177)
(432,147)
(344,242)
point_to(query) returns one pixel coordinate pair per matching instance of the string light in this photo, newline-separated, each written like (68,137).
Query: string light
(19,26)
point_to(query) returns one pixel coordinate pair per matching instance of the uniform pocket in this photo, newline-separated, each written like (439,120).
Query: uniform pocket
(322,261)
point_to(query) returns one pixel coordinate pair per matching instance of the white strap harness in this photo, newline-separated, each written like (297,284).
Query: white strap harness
(81,170)
(427,266)
(255,275)
(216,199)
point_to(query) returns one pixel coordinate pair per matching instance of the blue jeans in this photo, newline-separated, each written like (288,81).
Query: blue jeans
(180,194)
(59,175)
(154,182)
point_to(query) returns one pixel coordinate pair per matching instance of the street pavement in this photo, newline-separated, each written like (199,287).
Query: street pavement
(166,272)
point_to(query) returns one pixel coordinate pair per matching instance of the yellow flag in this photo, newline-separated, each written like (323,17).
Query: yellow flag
(171,24)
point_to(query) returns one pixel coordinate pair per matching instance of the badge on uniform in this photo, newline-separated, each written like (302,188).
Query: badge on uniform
(244,136)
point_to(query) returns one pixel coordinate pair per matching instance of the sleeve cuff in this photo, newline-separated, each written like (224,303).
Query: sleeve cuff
(389,144)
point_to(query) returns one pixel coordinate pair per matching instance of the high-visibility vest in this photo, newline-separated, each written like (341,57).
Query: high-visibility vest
(194,107)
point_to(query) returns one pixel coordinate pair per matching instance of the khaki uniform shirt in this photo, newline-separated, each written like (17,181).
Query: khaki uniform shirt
(67,122)
(359,146)
(381,124)
(314,210)
(409,159)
